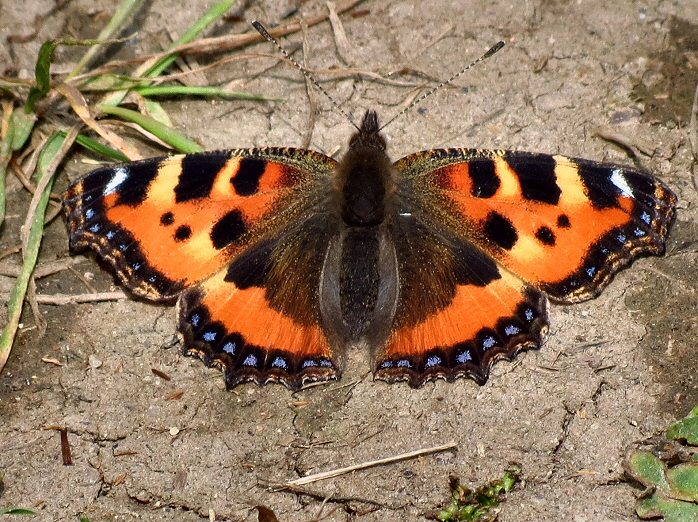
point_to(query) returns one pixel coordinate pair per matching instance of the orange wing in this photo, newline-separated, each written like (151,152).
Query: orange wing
(259,318)
(167,223)
(481,236)
(562,224)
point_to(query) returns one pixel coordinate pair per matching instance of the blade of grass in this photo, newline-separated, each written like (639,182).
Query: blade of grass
(49,158)
(206,91)
(149,69)
(98,148)
(23,123)
(156,111)
(121,15)
(42,74)
(8,132)
(167,134)
(42,70)
(213,14)
(16,511)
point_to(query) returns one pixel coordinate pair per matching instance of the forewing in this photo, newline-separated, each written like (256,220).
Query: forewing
(167,223)
(564,225)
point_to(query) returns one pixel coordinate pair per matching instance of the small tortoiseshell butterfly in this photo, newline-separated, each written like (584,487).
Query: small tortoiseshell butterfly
(280,259)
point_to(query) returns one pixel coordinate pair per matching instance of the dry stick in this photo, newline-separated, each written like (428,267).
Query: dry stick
(26,183)
(342,471)
(692,137)
(79,105)
(45,180)
(340,36)
(65,299)
(42,270)
(312,116)
(39,320)
(235,41)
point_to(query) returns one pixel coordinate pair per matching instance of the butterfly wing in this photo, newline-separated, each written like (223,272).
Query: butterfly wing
(221,231)
(532,224)
(167,223)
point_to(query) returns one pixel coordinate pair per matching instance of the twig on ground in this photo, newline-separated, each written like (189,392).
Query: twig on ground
(379,462)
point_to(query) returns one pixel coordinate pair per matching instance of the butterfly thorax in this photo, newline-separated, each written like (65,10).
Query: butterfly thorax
(365,176)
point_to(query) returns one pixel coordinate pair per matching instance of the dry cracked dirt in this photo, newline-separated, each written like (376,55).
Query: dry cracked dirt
(612,371)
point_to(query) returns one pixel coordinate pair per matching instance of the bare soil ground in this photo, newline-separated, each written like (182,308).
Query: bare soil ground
(613,370)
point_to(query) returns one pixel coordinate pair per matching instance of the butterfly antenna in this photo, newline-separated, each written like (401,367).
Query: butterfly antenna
(263,31)
(496,47)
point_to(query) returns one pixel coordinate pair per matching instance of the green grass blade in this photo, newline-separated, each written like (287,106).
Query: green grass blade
(213,14)
(167,134)
(157,112)
(98,148)
(31,252)
(194,31)
(121,15)
(205,91)
(16,511)
(23,122)
(5,157)
(42,74)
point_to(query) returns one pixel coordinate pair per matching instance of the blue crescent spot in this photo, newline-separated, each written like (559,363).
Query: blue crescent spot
(209,337)
(386,364)
(464,357)
(89,213)
(646,217)
(325,363)
(638,232)
(512,329)
(621,238)
(94,228)
(250,360)
(110,234)
(229,348)
(488,342)
(433,360)
(195,319)
(404,363)
(528,314)
(309,363)
(279,362)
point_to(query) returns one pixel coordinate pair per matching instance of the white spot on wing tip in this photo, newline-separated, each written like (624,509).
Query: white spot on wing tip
(120,175)
(618,179)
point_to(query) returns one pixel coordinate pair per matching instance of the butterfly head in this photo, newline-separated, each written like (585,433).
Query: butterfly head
(368,136)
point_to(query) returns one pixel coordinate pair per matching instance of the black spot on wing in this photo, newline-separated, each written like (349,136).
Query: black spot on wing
(134,188)
(500,230)
(563,221)
(182,233)
(229,229)
(545,236)
(167,219)
(251,268)
(246,180)
(536,173)
(484,177)
(198,174)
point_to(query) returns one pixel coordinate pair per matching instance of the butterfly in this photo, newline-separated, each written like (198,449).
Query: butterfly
(440,264)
